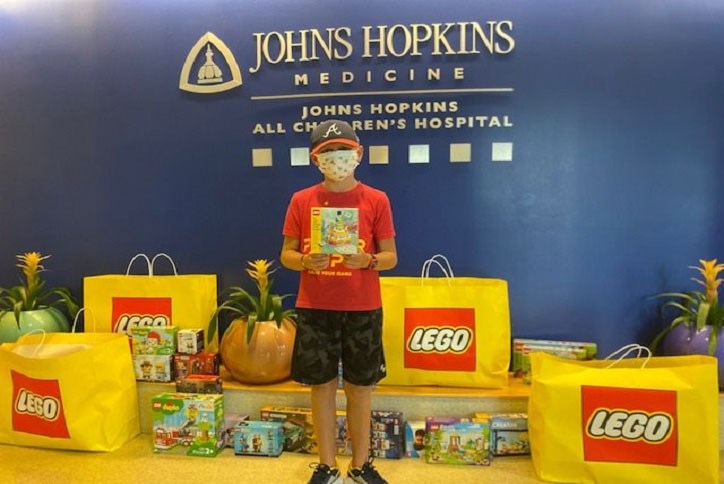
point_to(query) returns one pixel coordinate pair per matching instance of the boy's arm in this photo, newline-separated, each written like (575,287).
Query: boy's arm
(386,255)
(291,257)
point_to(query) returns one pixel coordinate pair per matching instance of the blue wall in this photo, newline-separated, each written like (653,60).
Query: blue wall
(614,188)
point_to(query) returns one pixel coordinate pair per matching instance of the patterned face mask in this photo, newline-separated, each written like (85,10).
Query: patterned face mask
(338,165)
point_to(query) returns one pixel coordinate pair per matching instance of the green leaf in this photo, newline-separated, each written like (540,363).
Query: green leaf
(713,336)
(702,316)
(250,324)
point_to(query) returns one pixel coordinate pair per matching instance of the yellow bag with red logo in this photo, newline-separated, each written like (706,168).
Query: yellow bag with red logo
(68,391)
(120,302)
(449,331)
(639,420)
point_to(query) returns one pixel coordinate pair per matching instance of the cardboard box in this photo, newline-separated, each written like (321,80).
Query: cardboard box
(199,384)
(509,434)
(258,438)
(188,423)
(574,350)
(153,340)
(457,441)
(387,439)
(190,341)
(156,368)
(203,363)
(297,426)
(415,438)
(230,421)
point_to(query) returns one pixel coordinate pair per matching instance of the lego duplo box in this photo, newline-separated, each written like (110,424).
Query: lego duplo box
(457,441)
(415,438)
(157,368)
(204,363)
(258,438)
(509,434)
(189,423)
(153,340)
(190,341)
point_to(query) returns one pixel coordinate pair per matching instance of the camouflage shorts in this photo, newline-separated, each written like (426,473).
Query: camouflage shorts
(324,337)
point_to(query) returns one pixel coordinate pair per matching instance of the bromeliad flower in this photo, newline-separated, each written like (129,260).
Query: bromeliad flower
(265,307)
(710,270)
(29,295)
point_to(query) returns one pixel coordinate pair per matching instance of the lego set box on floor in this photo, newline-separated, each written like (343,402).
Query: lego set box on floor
(188,422)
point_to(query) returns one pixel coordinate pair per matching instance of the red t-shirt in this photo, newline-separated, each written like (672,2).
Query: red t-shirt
(338,287)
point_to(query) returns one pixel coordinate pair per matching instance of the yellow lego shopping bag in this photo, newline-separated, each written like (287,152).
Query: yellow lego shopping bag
(449,331)
(68,391)
(639,420)
(120,302)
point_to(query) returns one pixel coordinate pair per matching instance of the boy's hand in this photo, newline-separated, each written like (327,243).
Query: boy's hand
(360,260)
(316,262)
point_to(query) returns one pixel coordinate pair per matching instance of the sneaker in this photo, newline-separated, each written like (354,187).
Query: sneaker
(367,474)
(323,474)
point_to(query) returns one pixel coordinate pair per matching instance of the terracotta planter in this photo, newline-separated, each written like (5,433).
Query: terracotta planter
(688,341)
(49,320)
(266,359)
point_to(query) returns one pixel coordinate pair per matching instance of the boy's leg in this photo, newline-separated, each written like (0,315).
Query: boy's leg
(324,414)
(359,413)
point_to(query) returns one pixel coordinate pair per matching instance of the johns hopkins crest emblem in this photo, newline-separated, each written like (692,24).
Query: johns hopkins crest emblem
(210,67)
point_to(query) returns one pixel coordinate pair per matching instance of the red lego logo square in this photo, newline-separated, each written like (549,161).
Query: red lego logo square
(38,407)
(441,339)
(129,312)
(629,425)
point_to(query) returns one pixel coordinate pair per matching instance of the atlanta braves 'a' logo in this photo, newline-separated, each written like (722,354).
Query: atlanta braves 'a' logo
(332,129)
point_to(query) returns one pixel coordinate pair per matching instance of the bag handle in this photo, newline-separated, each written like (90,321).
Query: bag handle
(75,321)
(173,265)
(626,350)
(37,330)
(426,266)
(425,273)
(148,264)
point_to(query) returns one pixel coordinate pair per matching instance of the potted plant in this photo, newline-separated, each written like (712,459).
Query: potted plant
(28,306)
(257,346)
(699,319)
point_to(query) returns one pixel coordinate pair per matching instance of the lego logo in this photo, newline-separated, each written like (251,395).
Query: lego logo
(128,321)
(47,408)
(634,425)
(440,340)
(619,424)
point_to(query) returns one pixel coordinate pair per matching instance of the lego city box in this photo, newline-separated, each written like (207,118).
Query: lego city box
(457,441)
(157,368)
(188,423)
(297,425)
(153,340)
(252,437)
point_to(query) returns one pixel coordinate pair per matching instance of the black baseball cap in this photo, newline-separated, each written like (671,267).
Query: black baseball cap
(332,131)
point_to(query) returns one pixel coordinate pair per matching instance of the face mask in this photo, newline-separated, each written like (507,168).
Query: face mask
(337,165)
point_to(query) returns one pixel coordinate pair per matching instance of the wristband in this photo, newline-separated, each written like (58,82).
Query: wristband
(302,262)
(373,262)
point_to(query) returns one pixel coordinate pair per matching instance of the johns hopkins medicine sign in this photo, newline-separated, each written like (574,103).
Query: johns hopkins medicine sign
(380,78)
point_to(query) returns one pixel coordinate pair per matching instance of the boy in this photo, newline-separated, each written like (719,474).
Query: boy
(339,303)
